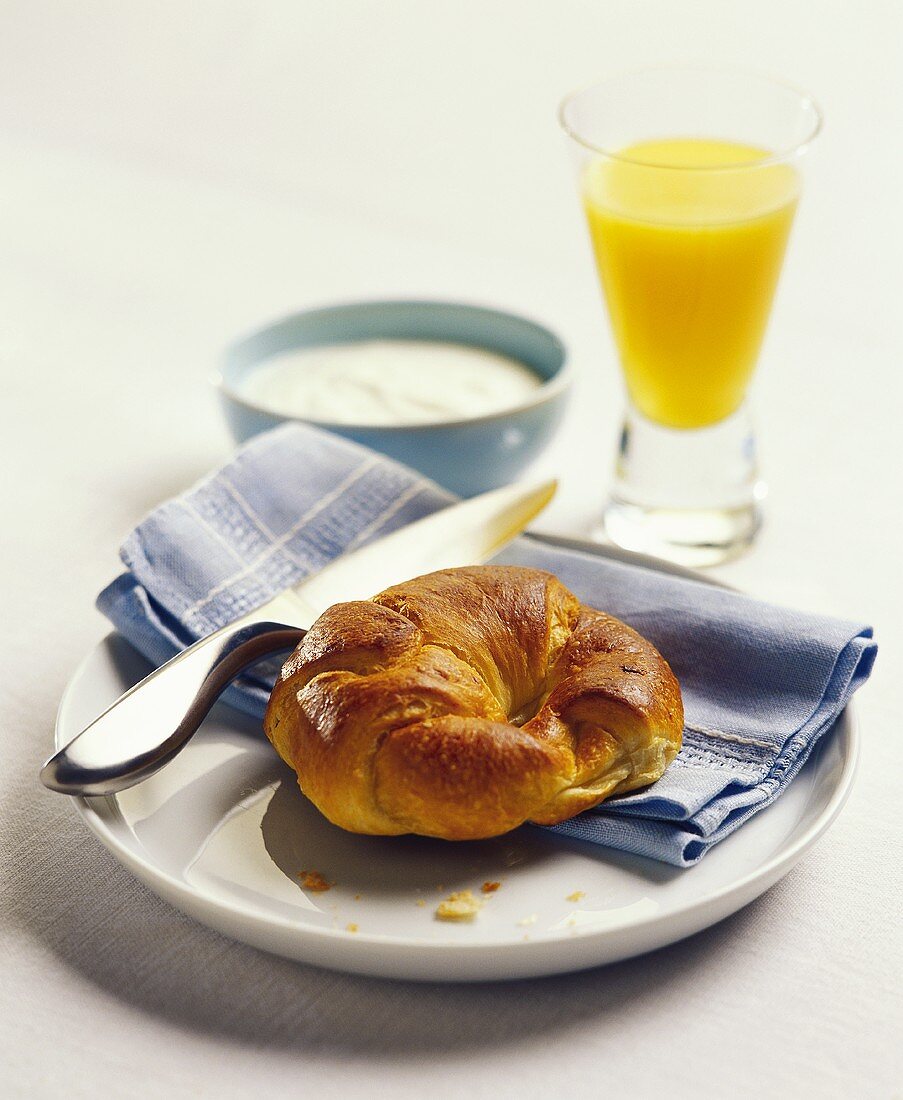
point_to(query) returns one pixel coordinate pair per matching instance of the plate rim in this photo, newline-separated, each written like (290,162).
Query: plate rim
(192,899)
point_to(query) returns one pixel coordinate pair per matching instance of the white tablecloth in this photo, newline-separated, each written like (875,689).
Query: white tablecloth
(172,173)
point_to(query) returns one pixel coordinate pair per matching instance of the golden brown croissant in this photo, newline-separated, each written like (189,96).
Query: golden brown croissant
(462,703)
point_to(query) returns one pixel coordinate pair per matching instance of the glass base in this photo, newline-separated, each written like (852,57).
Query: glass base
(691,497)
(692,538)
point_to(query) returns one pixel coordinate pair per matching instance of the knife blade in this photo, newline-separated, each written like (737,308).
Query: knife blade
(148,725)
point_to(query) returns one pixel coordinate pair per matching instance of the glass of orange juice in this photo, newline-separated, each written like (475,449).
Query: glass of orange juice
(690,180)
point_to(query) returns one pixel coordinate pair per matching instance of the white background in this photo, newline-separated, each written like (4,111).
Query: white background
(172,173)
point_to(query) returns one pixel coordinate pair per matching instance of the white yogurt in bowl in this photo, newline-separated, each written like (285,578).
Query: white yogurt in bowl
(389,382)
(467,395)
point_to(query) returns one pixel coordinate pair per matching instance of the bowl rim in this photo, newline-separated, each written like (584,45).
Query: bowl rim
(546,391)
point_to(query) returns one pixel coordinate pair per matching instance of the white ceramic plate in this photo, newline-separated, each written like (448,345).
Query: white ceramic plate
(223,831)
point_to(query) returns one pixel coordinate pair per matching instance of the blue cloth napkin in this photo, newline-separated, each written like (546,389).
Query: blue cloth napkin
(761,684)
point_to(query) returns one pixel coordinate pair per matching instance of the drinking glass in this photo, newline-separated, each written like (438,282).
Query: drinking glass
(689,179)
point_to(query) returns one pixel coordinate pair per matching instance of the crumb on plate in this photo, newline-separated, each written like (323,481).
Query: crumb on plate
(490,887)
(351,927)
(313,880)
(459,906)
(578,895)
(420,903)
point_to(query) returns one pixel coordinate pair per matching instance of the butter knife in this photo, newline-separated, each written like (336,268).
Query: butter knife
(148,725)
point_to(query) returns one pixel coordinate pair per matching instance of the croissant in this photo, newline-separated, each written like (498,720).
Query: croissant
(465,702)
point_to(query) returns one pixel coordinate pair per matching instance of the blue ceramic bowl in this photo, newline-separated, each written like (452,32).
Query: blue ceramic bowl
(467,456)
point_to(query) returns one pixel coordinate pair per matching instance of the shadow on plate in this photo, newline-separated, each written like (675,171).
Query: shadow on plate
(292,827)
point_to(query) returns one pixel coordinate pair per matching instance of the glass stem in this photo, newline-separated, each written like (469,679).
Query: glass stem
(691,496)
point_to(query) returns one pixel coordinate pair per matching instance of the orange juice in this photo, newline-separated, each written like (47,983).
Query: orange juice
(689,235)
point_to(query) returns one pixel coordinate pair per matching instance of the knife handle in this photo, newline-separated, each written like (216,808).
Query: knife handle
(146,727)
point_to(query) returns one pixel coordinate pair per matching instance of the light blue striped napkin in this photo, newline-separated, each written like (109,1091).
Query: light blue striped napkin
(761,684)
